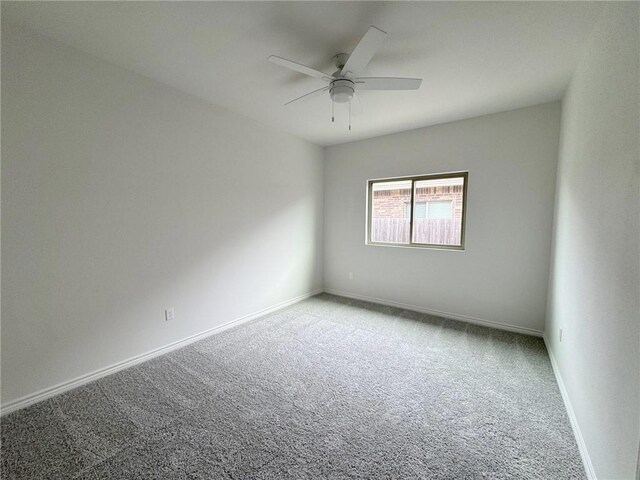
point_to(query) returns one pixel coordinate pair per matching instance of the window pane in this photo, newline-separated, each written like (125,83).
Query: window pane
(440,209)
(421,210)
(388,221)
(442,222)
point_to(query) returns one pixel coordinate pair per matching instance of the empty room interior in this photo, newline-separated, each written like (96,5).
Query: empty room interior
(320,240)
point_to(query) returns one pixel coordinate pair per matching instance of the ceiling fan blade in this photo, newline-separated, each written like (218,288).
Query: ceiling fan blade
(364,51)
(387,83)
(308,95)
(298,67)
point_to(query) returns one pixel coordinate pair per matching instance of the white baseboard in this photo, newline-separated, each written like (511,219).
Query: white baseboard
(582,446)
(452,316)
(49,392)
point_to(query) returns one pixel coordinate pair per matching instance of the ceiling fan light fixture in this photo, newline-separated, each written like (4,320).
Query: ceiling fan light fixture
(343,82)
(341,90)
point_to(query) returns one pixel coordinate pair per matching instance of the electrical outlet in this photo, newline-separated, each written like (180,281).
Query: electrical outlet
(560,334)
(169,314)
(350,275)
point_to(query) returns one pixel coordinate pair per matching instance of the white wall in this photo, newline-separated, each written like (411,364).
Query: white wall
(502,275)
(122,197)
(594,291)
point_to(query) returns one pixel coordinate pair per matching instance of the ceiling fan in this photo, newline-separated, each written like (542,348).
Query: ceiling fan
(344,82)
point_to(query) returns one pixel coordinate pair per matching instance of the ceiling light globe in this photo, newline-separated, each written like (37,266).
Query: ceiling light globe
(341,91)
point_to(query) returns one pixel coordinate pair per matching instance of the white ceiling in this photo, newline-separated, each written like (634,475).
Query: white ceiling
(475,57)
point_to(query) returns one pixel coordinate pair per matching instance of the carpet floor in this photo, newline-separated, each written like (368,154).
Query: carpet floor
(327,388)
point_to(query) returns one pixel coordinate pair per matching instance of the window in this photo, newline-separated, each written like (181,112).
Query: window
(421,211)
(440,209)
(431,209)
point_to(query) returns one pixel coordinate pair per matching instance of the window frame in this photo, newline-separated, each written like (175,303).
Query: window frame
(414,179)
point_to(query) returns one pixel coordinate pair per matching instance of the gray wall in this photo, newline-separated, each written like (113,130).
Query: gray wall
(594,291)
(122,197)
(502,275)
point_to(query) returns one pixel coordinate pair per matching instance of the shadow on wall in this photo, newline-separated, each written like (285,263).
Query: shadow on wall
(123,197)
(98,297)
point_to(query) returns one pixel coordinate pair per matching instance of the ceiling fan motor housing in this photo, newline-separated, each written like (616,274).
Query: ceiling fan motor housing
(341,90)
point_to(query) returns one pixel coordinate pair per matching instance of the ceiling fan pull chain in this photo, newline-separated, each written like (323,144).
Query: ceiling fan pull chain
(349,115)
(333,118)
